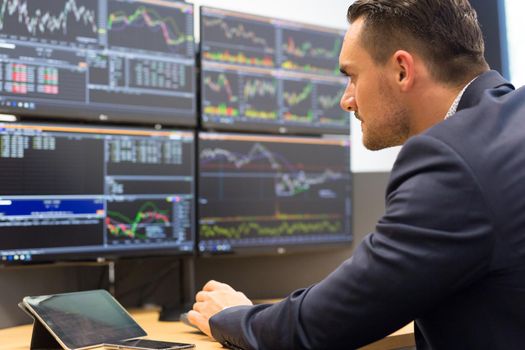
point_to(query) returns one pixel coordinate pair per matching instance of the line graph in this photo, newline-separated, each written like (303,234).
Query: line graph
(307,49)
(153,28)
(298,101)
(312,52)
(220,94)
(221,85)
(238,32)
(253,188)
(233,40)
(289,181)
(259,96)
(293,98)
(329,101)
(57,20)
(290,185)
(259,88)
(328,111)
(240,160)
(150,220)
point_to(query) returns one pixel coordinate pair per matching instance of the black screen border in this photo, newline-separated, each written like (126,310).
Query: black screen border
(298,130)
(281,248)
(107,253)
(99,114)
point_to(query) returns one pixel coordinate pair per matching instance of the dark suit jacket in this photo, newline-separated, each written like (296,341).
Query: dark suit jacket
(449,251)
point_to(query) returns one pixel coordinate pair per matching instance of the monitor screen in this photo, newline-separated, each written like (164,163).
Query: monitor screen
(68,192)
(266,74)
(273,193)
(115,60)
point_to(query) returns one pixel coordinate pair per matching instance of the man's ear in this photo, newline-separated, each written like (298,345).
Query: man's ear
(404,69)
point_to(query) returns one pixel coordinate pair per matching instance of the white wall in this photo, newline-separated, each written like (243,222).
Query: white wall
(514,10)
(331,13)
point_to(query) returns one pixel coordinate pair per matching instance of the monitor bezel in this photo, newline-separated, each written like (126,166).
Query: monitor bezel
(279,248)
(109,253)
(115,113)
(282,129)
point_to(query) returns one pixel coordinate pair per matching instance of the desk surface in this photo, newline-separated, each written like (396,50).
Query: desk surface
(18,338)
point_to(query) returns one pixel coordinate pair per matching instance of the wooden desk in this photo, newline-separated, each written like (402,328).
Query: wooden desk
(18,338)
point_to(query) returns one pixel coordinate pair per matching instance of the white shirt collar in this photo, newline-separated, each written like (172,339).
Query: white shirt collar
(452,110)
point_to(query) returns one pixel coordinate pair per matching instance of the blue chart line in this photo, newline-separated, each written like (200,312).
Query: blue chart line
(289,181)
(42,21)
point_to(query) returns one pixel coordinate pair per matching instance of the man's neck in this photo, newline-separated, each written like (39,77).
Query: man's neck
(454,107)
(432,104)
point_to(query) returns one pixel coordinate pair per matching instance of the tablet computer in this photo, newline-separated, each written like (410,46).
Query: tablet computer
(84,320)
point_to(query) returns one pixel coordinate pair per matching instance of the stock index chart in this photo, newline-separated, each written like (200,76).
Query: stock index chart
(71,191)
(267,191)
(69,20)
(286,72)
(232,96)
(310,51)
(238,40)
(116,60)
(150,28)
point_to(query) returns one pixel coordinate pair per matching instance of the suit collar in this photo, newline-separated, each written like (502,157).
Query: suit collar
(488,80)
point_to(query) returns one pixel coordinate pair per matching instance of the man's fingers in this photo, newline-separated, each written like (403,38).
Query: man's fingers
(200,321)
(215,285)
(198,306)
(201,296)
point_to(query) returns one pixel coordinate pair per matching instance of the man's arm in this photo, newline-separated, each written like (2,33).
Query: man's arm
(434,239)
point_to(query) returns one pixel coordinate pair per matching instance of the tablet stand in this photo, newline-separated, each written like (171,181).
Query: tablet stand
(41,339)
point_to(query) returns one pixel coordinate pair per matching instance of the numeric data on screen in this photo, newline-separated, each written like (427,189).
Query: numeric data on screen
(88,191)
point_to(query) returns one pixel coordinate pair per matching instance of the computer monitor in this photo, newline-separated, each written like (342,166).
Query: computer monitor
(273,194)
(75,192)
(266,74)
(108,60)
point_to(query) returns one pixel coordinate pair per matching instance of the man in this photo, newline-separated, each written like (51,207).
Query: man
(449,251)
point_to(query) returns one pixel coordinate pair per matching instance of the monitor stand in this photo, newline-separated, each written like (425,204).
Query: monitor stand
(171,311)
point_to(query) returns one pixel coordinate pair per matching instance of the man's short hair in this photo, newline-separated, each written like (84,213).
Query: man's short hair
(445,33)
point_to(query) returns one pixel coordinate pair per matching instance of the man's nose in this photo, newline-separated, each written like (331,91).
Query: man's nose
(347,102)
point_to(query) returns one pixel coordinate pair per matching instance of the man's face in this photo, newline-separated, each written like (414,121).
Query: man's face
(371,94)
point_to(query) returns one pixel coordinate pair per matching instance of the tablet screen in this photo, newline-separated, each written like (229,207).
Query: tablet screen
(85,319)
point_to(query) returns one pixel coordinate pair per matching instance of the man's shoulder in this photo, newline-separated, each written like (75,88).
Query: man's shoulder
(478,139)
(496,112)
